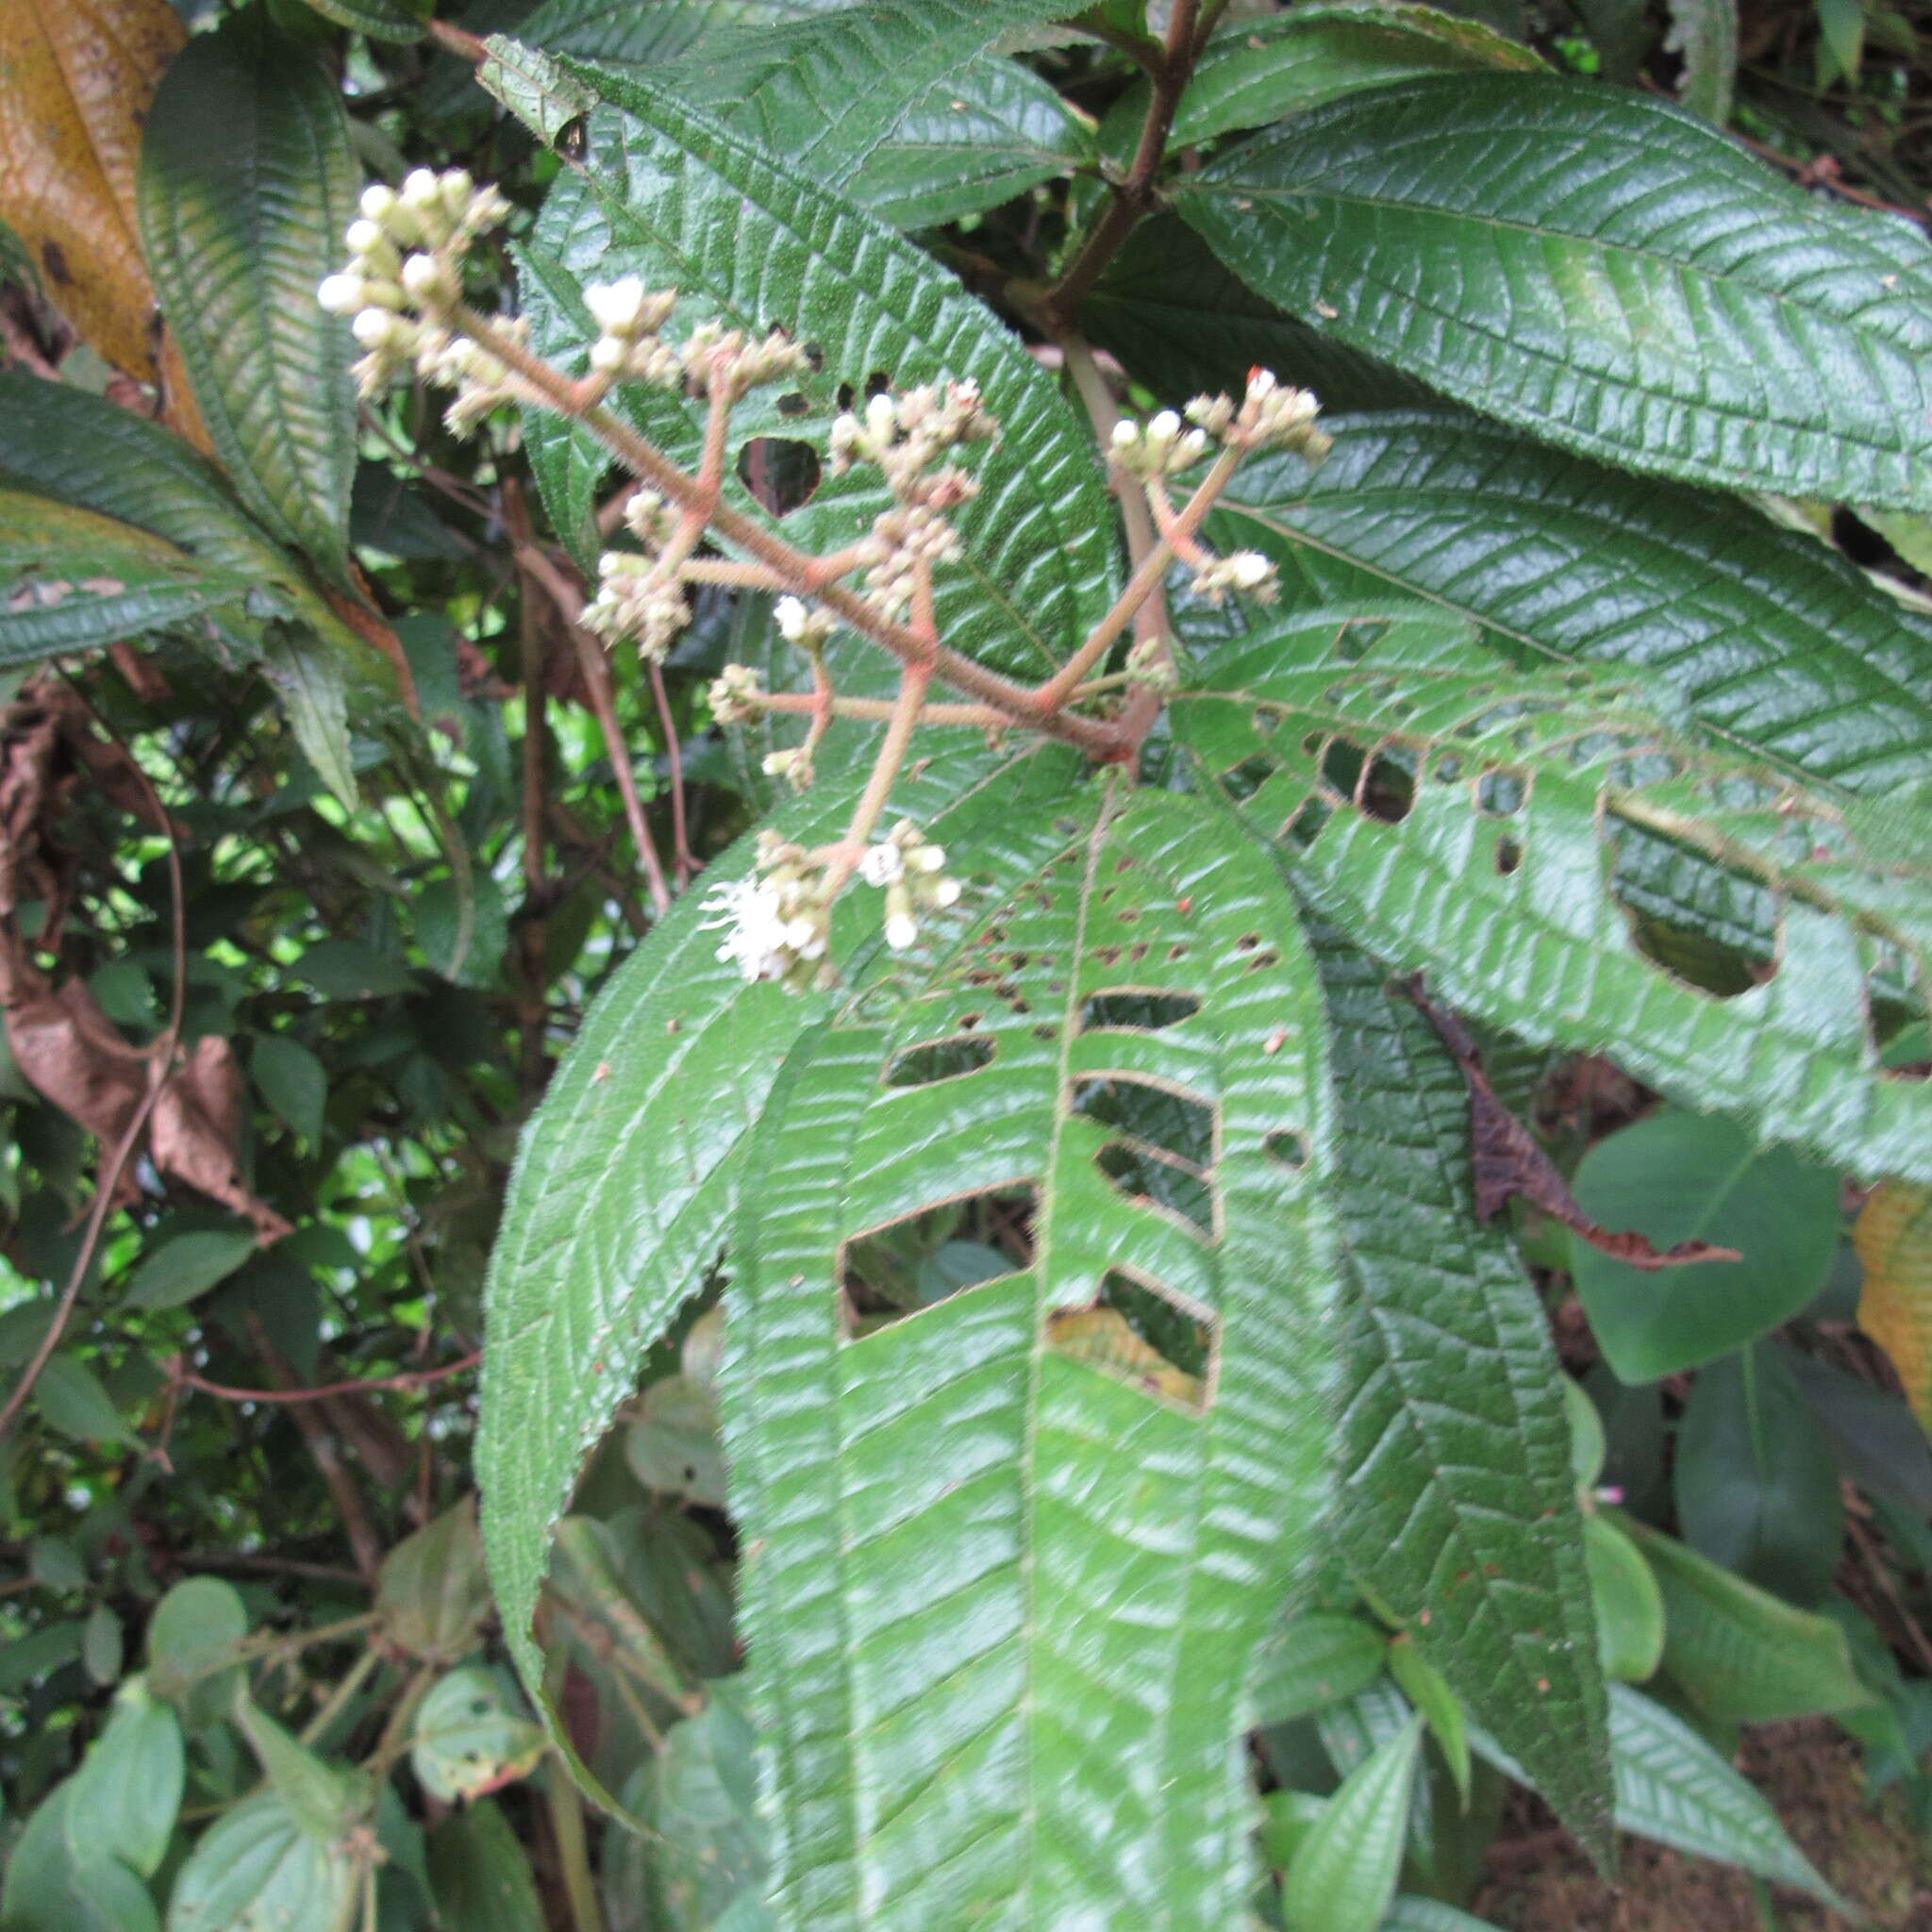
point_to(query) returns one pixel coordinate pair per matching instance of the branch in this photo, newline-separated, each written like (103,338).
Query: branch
(1134,196)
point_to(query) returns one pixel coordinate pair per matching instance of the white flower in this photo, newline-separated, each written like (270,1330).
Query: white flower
(1246,570)
(902,930)
(883,864)
(341,294)
(614,306)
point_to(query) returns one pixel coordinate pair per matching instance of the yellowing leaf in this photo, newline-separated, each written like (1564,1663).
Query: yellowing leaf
(1894,1238)
(75,80)
(1101,1337)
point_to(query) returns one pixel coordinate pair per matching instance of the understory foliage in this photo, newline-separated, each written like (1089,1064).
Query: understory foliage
(845,852)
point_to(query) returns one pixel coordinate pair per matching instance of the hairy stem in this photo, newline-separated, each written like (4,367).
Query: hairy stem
(885,770)
(872,710)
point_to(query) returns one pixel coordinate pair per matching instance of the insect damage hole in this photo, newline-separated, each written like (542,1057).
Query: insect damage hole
(1288,1147)
(1140,1331)
(1141,1010)
(942,1059)
(923,1259)
(781,474)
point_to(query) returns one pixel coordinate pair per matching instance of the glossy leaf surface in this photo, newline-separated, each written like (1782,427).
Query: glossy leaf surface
(1449,816)
(1601,269)
(1773,643)
(1344,1870)
(626,1178)
(239,226)
(1458,1505)
(669,196)
(972,1551)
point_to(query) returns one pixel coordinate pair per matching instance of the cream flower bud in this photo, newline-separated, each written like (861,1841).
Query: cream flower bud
(1249,568)
(607,355)
(377,201)
(375,327)
(422,275)
(364,238)
(1164,427)
(883,865)
(341,294)
(419,188)
(1127,433)
(614,306)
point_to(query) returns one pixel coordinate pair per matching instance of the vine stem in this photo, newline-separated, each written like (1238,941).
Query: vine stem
(410,1379)
(794,568)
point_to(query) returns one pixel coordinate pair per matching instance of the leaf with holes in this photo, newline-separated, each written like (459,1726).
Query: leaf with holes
(624,1181)
(999,1595)
(1773,643)
(1601,269)
(1459,1506)
(1450,815)
(472,1737)
(237,233)
(669,196)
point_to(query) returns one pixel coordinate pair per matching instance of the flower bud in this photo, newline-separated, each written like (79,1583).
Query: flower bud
(341,294)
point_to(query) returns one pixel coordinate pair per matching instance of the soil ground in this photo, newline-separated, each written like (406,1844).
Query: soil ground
(1540,1882)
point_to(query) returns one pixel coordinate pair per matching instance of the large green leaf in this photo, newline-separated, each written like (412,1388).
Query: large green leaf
(479,1873)
(1258,71)
(258,1866)
(128,1791)
(73,581)
(1001,1584)
(1458,1508)
(1603,268)
(48,1886)
(1774,643)
(619,33)
(1449,815)
(670,196)
(1343,1872)
(247,180)
(621,1188)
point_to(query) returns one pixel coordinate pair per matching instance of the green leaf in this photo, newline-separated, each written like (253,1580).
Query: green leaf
(72,1402)
(381,19)
(1459,1506)
(1479,860)
(349,970)
(703,1853)
(258,1866)
(1002,1600)
(1629,1605)
(432,1592)
(292,1080)
(1876,1438)
(1757,1486)
(46,1888)
(1681,1176)
(1410,1913)
(325,1799)
(313,681)
(1704,36)
(194,1630)
(597,1253)
(471,1737)
(1312,1662)
(668,195)
(1261,71)
(128,1792)
(1673,1789)
(1772,642)
(1589,1445)
(187,1266)
(1344,1871)
(588,1581)
(673,1445)
(478,1874)
(74,581)
(248,181)
(1601,269)
(1738,1654)
(1427,1687)
(1287,1819)
(103,1646)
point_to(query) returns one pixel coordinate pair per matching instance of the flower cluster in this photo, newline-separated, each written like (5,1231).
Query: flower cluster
(404,279)
(1163,448)
(776,925)
(1246,570)
(912,871)
(736,694)
(906,435)
(807,625)
(1270,416)
(638,598)
(629,317)
(793,764)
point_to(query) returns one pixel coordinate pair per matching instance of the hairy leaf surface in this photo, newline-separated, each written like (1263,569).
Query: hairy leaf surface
(1450,814)
(669,196)
(1458,1505)
(1774,643)
(624,1181)
(999,1595)
(238,231)
(1601,269)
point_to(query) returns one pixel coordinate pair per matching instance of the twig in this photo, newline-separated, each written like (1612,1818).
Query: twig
(453,40)
(596,671)
(1133,196)
(408,1378)
(573,1850)
(680,842)
(532,949)
(800,704)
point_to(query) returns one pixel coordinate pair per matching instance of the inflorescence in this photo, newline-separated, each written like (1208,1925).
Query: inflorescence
(403,290)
